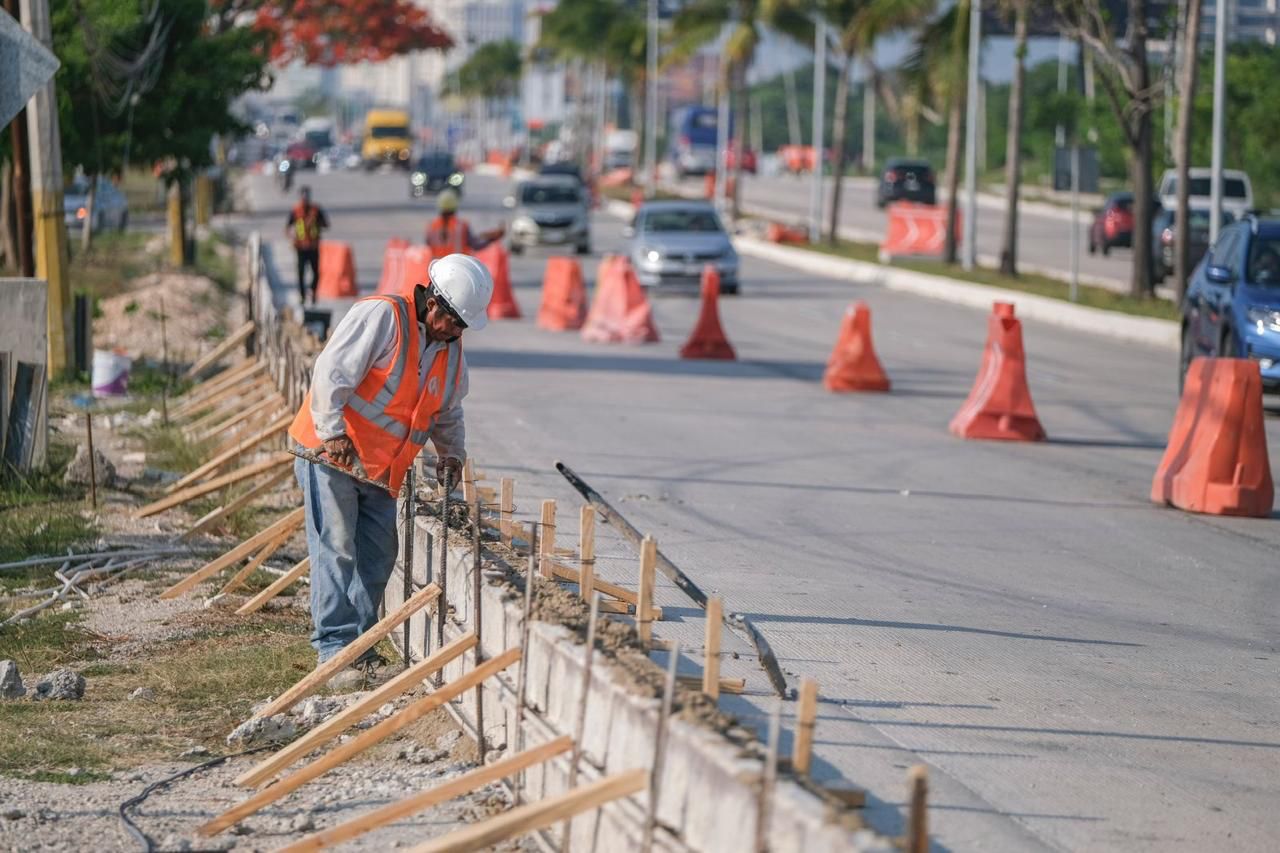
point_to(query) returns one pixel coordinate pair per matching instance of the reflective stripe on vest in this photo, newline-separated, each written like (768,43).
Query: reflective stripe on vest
(452,370)
(375,410)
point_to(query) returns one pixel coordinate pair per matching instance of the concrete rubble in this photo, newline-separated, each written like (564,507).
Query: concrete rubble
(61,684)
(78,470)
(11,686)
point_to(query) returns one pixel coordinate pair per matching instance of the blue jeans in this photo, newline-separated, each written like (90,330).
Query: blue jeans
(352,540)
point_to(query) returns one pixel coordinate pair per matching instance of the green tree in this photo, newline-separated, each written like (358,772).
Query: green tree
(492,71)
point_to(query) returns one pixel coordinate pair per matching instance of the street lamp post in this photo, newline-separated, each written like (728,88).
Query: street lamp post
(1219,99)
(971,138)
(819,114)
(651,102)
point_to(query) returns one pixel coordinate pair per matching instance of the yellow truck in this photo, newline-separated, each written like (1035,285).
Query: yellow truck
(386,139)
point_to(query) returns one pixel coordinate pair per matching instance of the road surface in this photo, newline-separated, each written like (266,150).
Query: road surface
(1080,669)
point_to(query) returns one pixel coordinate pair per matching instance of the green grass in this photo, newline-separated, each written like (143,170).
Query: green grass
(1039,285)
(111,264)
(169,450)
(39,514)
(212,264)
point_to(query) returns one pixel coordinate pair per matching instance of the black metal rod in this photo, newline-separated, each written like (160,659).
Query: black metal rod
(522,678)
(478,608)
(410,522)
(660,749)
(442,607)
(735,621)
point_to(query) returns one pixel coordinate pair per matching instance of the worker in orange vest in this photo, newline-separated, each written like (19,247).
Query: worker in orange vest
(305,223)
(449,233)
(390,377)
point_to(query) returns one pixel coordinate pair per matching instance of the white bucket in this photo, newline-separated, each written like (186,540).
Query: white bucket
(110,376)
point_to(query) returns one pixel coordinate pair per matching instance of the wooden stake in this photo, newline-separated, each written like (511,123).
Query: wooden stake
(660,749)
(281,583)
(214,516)
(711,654)
(221,351)
(535,816)
(464,784)
(802,752)
(93,462)
(277,460)
(315,679)
(548,542)
(391,725)
(236,554)
(587,551)
(644,607)
(354,713)
(258,559)
(468,482)
(271,431)
(723,684)
(918,819)
(506,506)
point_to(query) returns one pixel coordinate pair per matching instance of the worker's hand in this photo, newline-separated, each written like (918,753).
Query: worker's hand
(448,471)
(496,233)
(340,450)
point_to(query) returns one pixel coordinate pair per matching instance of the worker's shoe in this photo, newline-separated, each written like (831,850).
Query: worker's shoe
(348,680)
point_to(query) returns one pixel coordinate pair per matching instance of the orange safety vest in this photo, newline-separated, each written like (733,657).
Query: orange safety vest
(449,238)
(386,419)
(306,227)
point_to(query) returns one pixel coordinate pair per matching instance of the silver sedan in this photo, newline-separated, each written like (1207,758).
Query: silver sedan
(672,241)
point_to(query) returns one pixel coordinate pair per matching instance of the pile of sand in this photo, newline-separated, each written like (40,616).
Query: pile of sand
(193,308)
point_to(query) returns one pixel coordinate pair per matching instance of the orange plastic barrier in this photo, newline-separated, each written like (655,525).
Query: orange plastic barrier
(1217,461)
(620,311)
(853,365)
(999,406)
(798,158)
(503,305)
(564,298)
(707,340)
(917,230)
(779,233)
(616,178)
(337,271)
(413,270)
(392,266)
(637,198)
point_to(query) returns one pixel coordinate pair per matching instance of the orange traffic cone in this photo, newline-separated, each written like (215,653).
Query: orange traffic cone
(503,305)
(1217,460)
(709,186)
(620,310)
(999,406)
(853,365)
(564,298)
(707,340)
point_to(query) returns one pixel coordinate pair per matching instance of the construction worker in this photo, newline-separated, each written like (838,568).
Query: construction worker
(391,376)
(305,223)
(449,233)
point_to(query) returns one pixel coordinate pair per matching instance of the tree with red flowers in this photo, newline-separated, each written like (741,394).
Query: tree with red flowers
(335,32)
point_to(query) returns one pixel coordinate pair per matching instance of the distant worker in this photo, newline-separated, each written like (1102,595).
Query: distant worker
(449,233)
(391,376)
(306,221)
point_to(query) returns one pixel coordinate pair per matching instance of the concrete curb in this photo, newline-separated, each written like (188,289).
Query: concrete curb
(1150,331)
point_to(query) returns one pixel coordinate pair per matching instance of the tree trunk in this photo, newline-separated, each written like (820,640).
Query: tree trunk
(955,120)
(1182,147)
(1013,147)
(838,142)
(1140,280)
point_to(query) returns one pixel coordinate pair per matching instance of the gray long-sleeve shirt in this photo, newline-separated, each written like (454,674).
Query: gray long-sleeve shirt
(365,339)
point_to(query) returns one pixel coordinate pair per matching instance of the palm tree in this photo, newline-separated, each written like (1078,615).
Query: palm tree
(1013,147)
(1182,145)
(702,22)
(937,69)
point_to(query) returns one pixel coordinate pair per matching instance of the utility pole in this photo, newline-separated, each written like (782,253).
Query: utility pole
(1219,107)
(819,132)
(651,102)
(21,177)
(969,258)
(869,121)
(45,157)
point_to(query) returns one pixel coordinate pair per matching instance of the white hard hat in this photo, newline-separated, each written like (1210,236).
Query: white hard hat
(466,285)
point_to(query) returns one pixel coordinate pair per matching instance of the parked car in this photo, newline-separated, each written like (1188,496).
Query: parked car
(1232,307)
(1237,190)
(1112,224)
(671,241)
(550,210)
(110,207)
(1163,228)
(907,180)
(336,158)
(301,155)
(566,168)
(434,172)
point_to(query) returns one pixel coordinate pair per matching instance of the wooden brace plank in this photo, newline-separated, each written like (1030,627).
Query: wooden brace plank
(256,603)
(352,714)
(221,351)
(258,559)
(244,446)
(189,494)
(315,679)
(569,573)
(225,379)
(534,816)
(265,405)
(229,401)
(464,784)
(252,424)
(406,716)
(236,554)
(726,685)
(232,388)
(655,613)
(215,515)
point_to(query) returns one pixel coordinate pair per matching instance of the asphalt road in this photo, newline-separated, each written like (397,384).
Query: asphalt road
(1044,240)
(1080,669)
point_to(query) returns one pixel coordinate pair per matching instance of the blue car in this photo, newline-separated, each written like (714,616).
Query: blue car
(1232,307)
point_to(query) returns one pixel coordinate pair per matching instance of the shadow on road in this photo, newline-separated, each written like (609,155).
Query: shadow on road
(929,626)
